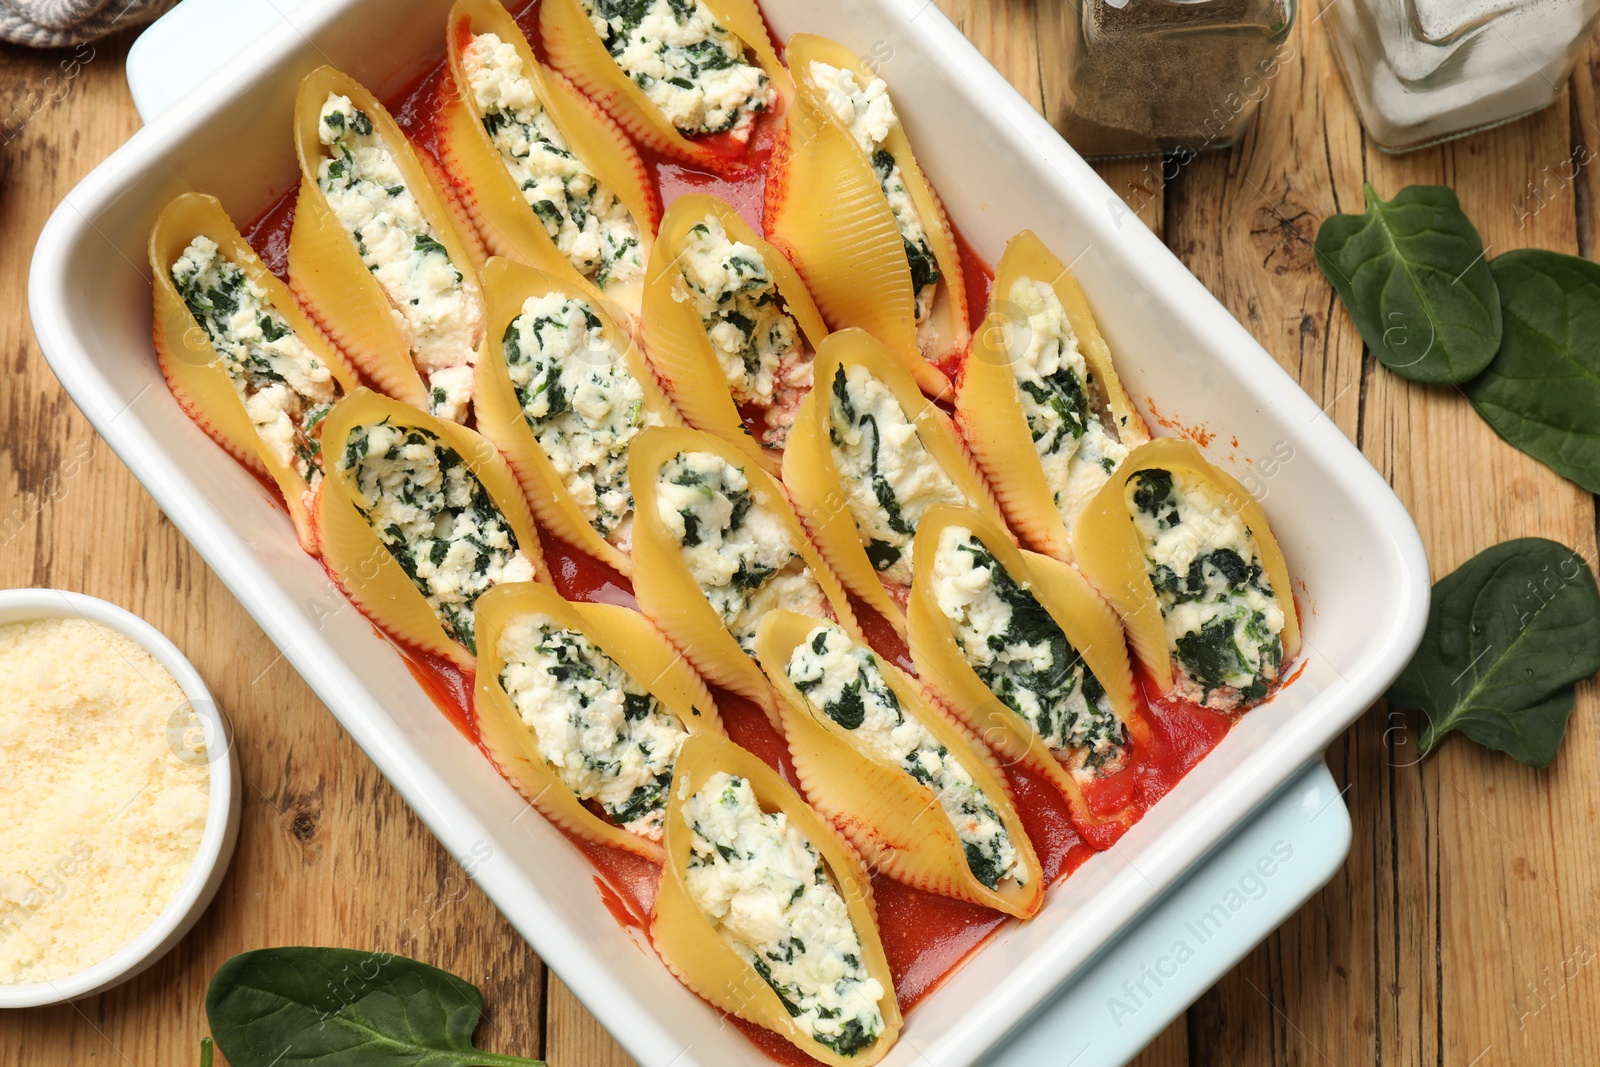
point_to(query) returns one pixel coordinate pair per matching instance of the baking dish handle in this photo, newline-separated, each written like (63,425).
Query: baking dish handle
(1194,935)
(193,41)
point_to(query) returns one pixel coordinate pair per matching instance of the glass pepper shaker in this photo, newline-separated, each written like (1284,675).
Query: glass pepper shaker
(1424,71)
(1138,77)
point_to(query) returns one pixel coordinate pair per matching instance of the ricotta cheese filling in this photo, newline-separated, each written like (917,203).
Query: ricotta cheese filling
(888,476)
(286,390)
(436,519)
(869,115)
(1079,447)
(604,734)
(1223,619)
(441,320)
(737,551)
(689,65)
(1021,654)
(844,681)
(767,893)
(581,403)
(584,218)
(757,343)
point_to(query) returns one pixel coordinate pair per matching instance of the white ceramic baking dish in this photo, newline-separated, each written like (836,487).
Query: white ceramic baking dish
(1355,555)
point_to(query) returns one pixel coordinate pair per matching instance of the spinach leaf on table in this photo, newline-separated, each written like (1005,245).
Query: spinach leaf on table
(1510,632)
(1542,392)
(336,1007)
(1412,273)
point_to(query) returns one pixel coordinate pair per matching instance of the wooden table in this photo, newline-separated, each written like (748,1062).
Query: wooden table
(1463,929)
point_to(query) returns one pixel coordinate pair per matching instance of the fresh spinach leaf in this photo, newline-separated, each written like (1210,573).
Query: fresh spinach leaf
(1412,273)
(1510,632)
(336,1007)
(1542,392)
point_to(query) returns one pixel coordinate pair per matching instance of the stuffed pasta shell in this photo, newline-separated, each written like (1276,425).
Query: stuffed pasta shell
(716,547)
(1040,402)
(239,355)
(418,517)
(920,799)
(1185,555)
(688,78)
(563,391)
(585,704)
(377,254)
(550,179)
(848,203)
(730,327)
(767,914)
(869,454)
(1024,650)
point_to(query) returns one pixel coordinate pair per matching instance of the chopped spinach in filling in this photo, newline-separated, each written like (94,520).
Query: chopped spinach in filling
(868,113)
(286,390)
(1223,620)
(1078,444)
(602,732)
(768,894)
(889,478)
(441,319)
(584,218)
(688,64)
(581,403)
(757,343)
(436,519)
(845,682)
(739,554)
(1021,654)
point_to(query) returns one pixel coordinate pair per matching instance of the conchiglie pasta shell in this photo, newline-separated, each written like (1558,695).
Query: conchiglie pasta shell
(1087,621)
(362,564)
(197,374)
(460,215)
(675,336)
(508,286)
(501,214)
(894,820)
(1111,556)
(326,271)
(665,588)
(577,52)
(633,643)
(826,208)
(690,945)
(812,475)
(989,405)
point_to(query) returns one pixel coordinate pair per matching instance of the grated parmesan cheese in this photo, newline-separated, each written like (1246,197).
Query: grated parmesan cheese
(103,795)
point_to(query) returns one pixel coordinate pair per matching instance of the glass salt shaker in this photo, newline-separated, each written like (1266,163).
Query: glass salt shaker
(1424,71)
(1138,77)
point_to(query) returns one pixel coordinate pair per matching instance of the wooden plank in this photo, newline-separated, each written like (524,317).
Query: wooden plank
(328,852)
(575,1038)
(1460,930)
(1466,871)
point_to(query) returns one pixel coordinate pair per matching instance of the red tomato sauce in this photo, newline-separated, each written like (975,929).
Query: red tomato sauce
(926,937)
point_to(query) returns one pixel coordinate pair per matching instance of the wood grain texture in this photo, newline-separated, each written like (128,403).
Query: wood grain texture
(1461,931)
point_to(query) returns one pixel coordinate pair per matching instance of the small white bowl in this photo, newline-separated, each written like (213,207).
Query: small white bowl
(222,815)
